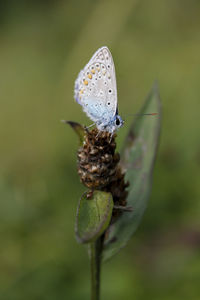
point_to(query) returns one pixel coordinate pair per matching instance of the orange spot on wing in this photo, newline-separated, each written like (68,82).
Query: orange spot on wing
(85,82)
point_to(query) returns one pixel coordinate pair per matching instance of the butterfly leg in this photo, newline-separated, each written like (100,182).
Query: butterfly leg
(98,134)
(90,125)
(111,137)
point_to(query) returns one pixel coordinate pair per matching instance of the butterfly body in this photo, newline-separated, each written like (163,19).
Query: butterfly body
(96,91)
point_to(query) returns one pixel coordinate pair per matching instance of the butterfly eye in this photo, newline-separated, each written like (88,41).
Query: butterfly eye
(110,91)
(117,122)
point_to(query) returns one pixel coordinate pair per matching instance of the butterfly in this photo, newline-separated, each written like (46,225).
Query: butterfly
(96,91)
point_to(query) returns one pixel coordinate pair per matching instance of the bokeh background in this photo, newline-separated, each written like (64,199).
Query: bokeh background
(43,46)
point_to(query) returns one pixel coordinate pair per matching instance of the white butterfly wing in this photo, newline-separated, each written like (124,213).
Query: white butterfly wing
(95,87)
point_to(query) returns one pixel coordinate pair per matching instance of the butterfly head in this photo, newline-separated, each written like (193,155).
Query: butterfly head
(113,125)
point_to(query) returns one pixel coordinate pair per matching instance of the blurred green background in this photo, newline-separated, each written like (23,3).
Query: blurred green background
(43,46)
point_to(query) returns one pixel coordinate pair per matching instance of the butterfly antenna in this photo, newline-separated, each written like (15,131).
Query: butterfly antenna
(138,115)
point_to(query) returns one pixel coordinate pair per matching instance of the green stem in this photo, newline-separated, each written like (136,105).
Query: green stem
(95,258)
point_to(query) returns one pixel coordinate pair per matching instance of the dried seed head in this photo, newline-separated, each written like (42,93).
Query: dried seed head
(97,160)
(98,166)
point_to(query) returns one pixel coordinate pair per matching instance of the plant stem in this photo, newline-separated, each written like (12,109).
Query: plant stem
(95,261)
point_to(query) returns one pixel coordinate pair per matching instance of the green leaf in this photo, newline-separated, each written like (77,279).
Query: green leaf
(138,157)
(78,128)
(93,216)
